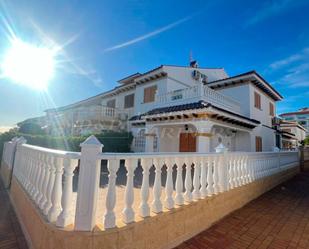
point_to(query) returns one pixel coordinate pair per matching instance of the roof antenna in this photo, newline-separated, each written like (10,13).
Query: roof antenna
(193,63)
(190,57)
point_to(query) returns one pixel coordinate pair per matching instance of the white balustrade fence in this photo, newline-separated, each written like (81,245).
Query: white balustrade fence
(196,93)
(47,176)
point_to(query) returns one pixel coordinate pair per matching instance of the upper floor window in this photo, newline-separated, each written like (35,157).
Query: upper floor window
(271,109)
(258,144)
(149,94)
(257,100)
(111,103)
(129,101)
(302,122)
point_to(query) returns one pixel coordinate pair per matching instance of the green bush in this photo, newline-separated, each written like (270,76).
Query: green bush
(112,141)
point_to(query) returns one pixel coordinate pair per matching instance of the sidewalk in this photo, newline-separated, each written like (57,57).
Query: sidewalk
(11,235)
(278,219)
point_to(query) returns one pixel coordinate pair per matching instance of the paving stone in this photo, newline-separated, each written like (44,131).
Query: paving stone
(278,219)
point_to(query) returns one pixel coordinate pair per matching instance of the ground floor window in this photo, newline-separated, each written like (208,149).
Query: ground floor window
(258,144)
(140,141)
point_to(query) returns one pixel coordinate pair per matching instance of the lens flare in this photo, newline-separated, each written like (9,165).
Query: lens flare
(28,65)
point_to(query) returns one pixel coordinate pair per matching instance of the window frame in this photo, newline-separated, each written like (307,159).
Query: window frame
(148,98)
(257,100)
(271,109)
(258,144)
(125,102)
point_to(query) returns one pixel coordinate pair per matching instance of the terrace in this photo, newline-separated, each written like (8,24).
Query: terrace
(155,200)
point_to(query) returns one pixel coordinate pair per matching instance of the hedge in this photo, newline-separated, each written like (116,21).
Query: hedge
(112,141)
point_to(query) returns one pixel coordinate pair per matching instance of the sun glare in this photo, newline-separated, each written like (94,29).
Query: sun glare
(28,65)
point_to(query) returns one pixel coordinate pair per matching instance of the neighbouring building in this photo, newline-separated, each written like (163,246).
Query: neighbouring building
(301,116)
(179,109)
(292,134)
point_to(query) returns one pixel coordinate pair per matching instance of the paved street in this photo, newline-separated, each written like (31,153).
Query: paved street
(278,219)
(11,235)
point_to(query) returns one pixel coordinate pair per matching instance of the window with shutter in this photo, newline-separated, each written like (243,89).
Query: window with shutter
(258,144)
(129,101)
(149,94)
(271,109)
(257,100)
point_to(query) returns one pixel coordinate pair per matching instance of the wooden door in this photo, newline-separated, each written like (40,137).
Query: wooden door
(187,142)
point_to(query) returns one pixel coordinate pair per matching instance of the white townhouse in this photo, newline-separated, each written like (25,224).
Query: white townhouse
(180,109)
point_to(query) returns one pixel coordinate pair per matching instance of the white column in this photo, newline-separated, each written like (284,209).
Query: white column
(88,184)
(203,190)
(188,181)
(109,216)
(56,193)
(169,202)
(44,182)
(210,179)
(65,218)
(196,179)
(157,204)
(50,185)
(144,209)
(179,200)
(128,212)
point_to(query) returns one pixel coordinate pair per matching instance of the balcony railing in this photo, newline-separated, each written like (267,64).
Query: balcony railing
(196,93)
(98,113)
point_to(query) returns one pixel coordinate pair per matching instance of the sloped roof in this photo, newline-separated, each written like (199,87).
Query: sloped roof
(255,78)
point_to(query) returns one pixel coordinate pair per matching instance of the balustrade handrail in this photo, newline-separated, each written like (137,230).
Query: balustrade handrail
(200,91)
(54,152)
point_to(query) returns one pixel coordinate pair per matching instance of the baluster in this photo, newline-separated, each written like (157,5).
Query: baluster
(215,175)
(210,179)
(66,218)
(27,181)
(37,176)
(169,202)
(144,208)
(231,172)
(32,172)
(24,164)
(128,212)
(156,203)
(41,179)
(57,192)
(179,199)
(45,181)
(242,171)
(42,197)
(25,170)
(196,179)
(235,162)
(50,184)
(188,181)
(203,190)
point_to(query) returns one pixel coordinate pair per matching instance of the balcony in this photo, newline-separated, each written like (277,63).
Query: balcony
(99,113)
(196,93)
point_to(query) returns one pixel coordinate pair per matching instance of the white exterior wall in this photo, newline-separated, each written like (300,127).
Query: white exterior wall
(263,114)
(241,93)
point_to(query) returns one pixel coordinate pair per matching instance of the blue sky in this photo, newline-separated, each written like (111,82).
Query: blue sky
(107,40)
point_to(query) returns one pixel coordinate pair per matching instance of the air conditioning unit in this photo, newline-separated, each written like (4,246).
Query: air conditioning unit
(196,75)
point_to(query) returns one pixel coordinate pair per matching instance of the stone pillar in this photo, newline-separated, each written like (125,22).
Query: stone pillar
(88,184)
